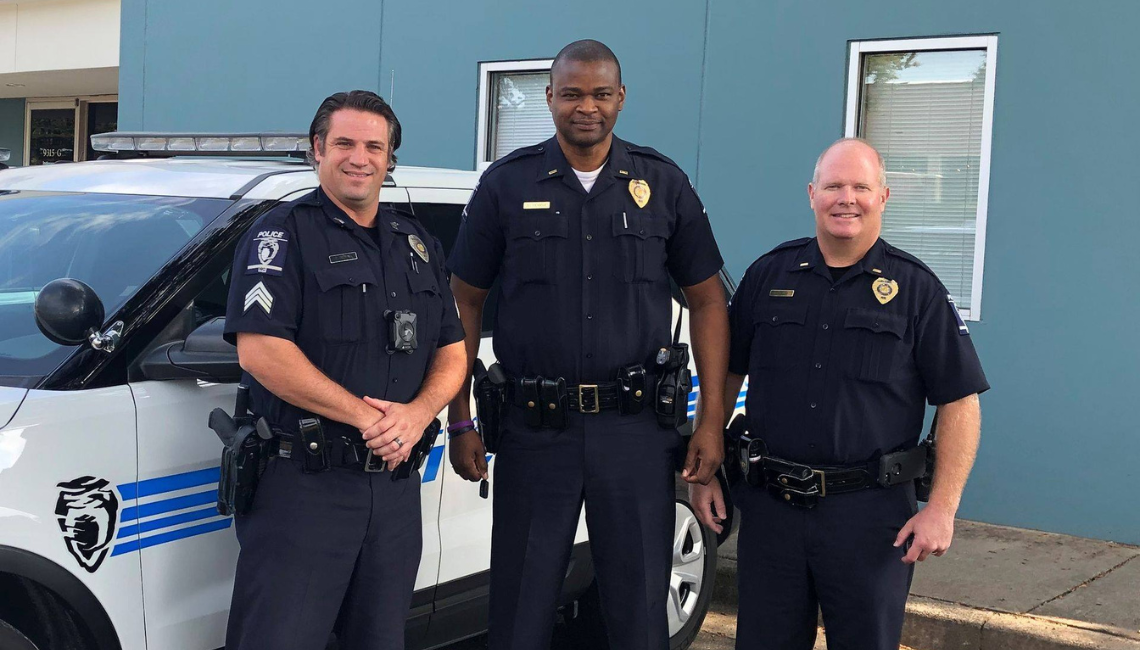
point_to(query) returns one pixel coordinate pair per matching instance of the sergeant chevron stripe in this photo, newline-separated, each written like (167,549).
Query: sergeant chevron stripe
(259,295)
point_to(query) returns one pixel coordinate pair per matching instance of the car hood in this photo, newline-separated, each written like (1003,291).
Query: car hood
(10,400)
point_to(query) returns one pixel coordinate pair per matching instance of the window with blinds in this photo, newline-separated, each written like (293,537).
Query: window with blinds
(518,112)
(926,111)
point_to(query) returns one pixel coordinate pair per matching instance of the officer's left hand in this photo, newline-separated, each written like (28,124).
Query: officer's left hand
(706,453)
(932,528)
(404,421)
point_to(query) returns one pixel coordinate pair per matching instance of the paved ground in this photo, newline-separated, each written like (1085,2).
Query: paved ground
(718,633)
(1012,589)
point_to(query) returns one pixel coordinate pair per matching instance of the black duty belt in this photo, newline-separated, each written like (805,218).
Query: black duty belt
(803,485)
(584,398)
(342,452)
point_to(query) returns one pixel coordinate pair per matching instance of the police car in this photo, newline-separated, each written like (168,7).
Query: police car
(109,534)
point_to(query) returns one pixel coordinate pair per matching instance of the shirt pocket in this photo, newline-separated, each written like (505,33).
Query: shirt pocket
(780,335)
(344,302)
(641,239)
(536,247)
(425,294)
(875,338)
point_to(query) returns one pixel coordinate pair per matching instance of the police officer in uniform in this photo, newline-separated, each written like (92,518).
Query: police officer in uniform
(583,232)
(314,287)
(843,338)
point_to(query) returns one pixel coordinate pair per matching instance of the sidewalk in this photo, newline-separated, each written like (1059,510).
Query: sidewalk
(1009,589)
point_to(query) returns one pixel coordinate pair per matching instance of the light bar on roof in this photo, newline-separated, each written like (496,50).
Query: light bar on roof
(258,144)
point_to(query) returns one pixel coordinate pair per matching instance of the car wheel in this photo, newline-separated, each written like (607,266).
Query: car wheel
(691,583)
(690,588)
(13,639)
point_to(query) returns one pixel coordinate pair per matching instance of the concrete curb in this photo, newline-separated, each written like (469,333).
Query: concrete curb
(937,625)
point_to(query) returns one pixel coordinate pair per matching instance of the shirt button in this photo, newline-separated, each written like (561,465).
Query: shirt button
(589,277)
(589,237)
(818,366)
(825,326)
(537,233)
(775,318)
(589,317)
(813,404)
(393,294)
(641,232)
(395,380)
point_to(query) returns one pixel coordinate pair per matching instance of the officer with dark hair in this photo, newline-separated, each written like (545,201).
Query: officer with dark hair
(343,317)
(844,338)
(583,232)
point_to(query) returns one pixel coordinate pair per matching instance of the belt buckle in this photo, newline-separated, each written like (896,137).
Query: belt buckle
(582,399)
(822,481)
(370,468)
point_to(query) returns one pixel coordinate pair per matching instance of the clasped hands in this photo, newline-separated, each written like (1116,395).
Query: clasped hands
(396,430)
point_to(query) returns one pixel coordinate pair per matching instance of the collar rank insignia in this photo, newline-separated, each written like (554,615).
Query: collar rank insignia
(417,245)
(639,190)
(885,290)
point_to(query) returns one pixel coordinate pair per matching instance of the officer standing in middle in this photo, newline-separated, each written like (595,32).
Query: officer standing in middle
(584,232)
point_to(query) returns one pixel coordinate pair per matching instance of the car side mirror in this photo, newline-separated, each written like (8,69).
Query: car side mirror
(68,312)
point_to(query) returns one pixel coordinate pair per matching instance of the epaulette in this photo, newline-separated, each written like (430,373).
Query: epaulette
(903,255)
(521,152)
(652,153)
(795,243)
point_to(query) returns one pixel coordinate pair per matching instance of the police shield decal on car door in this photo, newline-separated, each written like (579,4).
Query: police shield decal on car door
(87,511)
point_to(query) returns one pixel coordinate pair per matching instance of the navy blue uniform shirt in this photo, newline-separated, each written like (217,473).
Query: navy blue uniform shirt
(835,375)
(584,277)
(307,273)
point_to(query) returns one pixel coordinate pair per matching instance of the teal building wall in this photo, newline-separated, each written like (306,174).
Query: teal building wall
(744,95)
(12,129)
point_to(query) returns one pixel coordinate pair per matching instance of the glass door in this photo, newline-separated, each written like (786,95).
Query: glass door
(51,132)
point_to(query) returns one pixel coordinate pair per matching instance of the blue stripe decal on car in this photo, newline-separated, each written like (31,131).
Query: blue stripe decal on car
(166,522)
(168,505)
(169,483)
(431,470)
(163,538)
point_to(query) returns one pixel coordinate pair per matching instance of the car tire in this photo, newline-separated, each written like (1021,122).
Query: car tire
(690,588)
(13,639)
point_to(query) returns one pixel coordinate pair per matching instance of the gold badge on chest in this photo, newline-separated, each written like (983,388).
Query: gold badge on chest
(639,190)
(885,290)
(418,246)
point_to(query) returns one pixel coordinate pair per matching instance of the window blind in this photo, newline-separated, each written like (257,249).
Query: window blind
(923,112)
(519,115)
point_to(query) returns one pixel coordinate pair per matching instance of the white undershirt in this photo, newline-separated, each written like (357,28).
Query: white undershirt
(587,178)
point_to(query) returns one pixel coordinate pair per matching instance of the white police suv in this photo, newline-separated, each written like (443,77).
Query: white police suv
(109,534)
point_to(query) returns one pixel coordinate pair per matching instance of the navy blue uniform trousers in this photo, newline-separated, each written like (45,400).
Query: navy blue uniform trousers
(317,546)
(622,467)
(837,558)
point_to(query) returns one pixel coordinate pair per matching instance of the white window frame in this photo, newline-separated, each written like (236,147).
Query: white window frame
(854,84)
(487,69)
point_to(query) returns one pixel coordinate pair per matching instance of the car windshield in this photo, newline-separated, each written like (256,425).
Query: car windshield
(114,243)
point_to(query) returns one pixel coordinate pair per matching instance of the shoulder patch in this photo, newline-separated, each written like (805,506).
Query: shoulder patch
(962,329)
